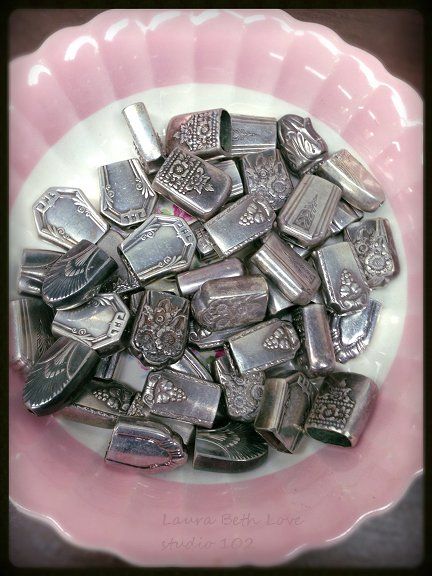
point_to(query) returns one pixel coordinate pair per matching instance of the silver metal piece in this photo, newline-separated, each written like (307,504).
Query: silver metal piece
(230,302)
(265,173)
(189,364)
(264,345)
(344,285)
(177,395)
(343,216)
(235,447)
(122,281)
(230,168)
(206,133)
(300,250)
(146,140)
(352,334)
(35,263)
(240,223)
(30,325)
(64,216)
(57,376)
(189,282)
(373,242)
(342,408)
(293,276)
(252,134)
(316,354)
(106,368)
(281,370)
(277,302)
(204,247)
(359,187)
(300,144)
(284,409)
(77,276)
(147,445)
(134,302)
(308,212)
(160,329)
(205,339)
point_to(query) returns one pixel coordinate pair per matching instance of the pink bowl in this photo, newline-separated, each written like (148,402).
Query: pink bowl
(263,520)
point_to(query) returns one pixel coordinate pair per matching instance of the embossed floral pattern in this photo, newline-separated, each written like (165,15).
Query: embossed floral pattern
(267,175)
(306,215)
(350,292)
(199,131)
(118,399)
(238,312)
(256,213)
(283,337)
(333,408)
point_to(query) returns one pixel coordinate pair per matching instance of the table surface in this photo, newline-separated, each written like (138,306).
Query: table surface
(391,539)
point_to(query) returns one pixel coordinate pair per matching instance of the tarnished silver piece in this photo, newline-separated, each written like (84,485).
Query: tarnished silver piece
(160,329)
(100,323)
(57,375)
(205,339)
(126,195)
(251,134)
(122,281)
(300,144)
(242,392)
(206,133)
(204,247)
(177,395)
(30,326)
(264,345)
(308,212)
(281,370)
(35,263)
(352,334)
(293,276)
(373,242)
(189,282)
(235,447)
(240,223)
(146,140)
(277,302)
(284,409)
(64,216)
(316,354)
(343,216)
(134,302)
(265,173)
(147,445)
(77,276)
(342,408)
(161,245)
(344,285)
(359,187)
(230,168)
(106,368)
(189,364)
(230,302)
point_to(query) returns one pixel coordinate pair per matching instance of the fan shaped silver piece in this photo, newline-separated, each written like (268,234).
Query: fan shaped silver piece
(122,281)
(160,330)
(161,245)
(57,375)
(264,345)
(352,334)
(251,134)
(343,216)
(107,367)
(205,339)
(344,285)
(30,324)
(230,302)
(150,446)
(342,408)
(230,168)
(284,409)
(300,144)
(35,264)
(64,216)
(204,245)
(189,282)
(265,173)
(189,364)
(373,242)
(359,187)
(235,447)
(240,223)
(145,138)
(77,276)
(206,133)
(177,395)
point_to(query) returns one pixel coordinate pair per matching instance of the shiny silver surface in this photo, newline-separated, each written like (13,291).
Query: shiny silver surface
(122,281)
(230,168)
(281,370)
(189,282)
(146,140)
(35,264)
(277,302)
(343,216)
(205,248)
(189,364)
(134,302)
(252,134)
(205,339)
(106,368)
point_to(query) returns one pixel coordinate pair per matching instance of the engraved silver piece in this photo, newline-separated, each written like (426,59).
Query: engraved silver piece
(206,133)
(252,134)
(230,168)
(344,285)
(342,409)
(352,334)
(177,395)
(205,339)
(64,216)
(373,242)
(160,329)
(35,264)
(301,145)
(235,447)
(204,246)
(308,212)
(240,223)
(343,216)
(189,282)
(57,376)
(146,140)
(264,345)
(189,364)
(293,276)
(359,187)
(265,173)
(30,326)
(126,195)
(77,276)
(122,281)
(284,409)
(107,367)
(277,302)
(161,245)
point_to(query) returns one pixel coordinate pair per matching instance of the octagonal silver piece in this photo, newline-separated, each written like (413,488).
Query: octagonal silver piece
(230,168)
(145,138)
(252,134)
(35,264)
(189,282)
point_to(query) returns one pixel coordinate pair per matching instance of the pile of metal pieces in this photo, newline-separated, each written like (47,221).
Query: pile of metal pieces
(274,276)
